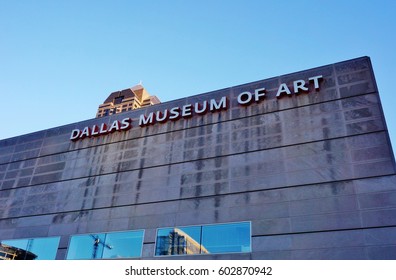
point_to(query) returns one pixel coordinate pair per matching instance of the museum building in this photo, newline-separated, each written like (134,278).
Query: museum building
(298,166)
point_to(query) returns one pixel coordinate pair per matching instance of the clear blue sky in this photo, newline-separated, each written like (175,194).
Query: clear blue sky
(60,59)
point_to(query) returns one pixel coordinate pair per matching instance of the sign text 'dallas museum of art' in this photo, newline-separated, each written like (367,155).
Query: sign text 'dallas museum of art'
(199,108)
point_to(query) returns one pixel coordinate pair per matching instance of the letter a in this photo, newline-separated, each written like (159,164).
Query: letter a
(283,89)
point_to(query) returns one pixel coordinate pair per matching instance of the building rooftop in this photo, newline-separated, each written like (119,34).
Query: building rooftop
(126,100)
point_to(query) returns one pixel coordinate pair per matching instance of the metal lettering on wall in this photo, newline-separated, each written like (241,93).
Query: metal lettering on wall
(199,108)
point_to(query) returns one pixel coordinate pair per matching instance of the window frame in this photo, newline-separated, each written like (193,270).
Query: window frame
(202,226)
(56,248)
(105,237)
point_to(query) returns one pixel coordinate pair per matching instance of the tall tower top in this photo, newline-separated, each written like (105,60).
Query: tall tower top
(126,100)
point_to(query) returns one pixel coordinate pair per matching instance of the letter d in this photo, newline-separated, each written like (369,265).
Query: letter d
(75,134)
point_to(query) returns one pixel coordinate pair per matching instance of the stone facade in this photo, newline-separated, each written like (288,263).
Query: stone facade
(313,172)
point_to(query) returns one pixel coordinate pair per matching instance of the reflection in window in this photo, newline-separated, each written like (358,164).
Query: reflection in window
(227,238)
(207,239)
(113,245)
(179,241)
(118,99)
(29,249)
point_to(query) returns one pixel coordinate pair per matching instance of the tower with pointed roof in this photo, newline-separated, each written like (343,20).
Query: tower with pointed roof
(126,100)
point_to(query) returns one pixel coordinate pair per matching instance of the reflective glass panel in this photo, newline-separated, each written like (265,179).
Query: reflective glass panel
(126,244)
(123,245)
(88,246)
(206,239)
(30,249)
(178,241)
(226,238)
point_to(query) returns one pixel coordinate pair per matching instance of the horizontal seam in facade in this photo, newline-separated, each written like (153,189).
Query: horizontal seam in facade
(186,161)
(323,231)
(185,129)
(191,198)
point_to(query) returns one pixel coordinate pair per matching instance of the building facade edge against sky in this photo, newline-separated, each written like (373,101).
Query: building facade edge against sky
(305,162)
(157,101)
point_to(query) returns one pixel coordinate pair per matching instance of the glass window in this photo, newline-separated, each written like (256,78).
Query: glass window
(118,99)
(124,245)
(226,238)
(29,249)
(179,241)
(127,244)
(206,239)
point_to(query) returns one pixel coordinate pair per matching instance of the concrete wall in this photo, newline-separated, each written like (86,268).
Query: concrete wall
(314,173)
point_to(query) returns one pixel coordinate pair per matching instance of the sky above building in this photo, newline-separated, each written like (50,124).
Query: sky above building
(60,59)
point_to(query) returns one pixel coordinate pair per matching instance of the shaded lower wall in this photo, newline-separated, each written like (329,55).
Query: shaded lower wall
(339,220)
